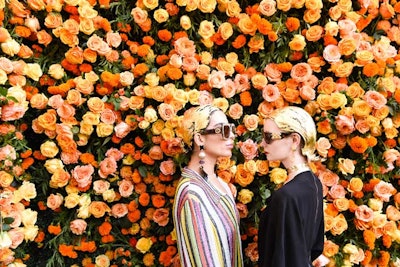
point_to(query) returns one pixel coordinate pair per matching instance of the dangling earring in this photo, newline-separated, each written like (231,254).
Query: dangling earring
(202,156)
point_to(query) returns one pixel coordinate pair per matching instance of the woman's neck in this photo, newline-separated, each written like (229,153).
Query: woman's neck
(295,168)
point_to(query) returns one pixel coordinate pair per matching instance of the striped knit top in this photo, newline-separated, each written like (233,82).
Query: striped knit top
(207,224)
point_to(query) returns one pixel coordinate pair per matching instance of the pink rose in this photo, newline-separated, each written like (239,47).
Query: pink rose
(125,188)
(384,191)
(248,148)
(119,210)
(78,226)
(83,175)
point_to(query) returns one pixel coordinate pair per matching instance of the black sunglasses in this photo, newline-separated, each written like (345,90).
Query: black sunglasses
(224,129)
(269,137)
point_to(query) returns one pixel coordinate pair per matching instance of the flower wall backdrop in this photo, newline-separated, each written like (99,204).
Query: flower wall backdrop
(91,94)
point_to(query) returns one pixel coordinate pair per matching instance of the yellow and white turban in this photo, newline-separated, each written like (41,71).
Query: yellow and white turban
(193,121)
(295,119)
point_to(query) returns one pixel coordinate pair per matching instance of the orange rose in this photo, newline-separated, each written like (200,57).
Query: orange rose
(243,177)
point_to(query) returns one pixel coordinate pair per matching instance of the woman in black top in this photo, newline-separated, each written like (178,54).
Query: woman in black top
(291,230)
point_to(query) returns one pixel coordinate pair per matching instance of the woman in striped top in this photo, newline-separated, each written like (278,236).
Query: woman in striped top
(205,216)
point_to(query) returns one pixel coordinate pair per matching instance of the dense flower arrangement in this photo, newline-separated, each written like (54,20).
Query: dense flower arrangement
(91,98)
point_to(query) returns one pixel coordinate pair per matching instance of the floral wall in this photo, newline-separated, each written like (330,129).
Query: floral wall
(91,98)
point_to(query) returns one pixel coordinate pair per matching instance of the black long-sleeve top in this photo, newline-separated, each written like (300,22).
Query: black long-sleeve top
(291,230)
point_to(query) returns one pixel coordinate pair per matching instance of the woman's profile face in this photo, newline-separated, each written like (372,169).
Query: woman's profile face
(219,144)
(276,145)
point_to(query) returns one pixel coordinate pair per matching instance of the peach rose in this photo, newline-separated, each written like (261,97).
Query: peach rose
(339,225)
(217,79)
(322,146)
(344,124)
(375,99)
(66,111)
(392,213)
(328,178)
(167,167)
(78,226)
(17,237)
(248,148)
(364,213)
(272,72)
(185,47)
(119,210)
(301,72)
(98,209)
(229,89)
(271,93)
(107,116)
(38,101)
(235,111)
(100,186)
(384,190)
(60,178)
(331,53)
(125,188)
(161,216)
(314,33)
(83,175)
(337,191)
(284,5)
(267,7)
(312,15)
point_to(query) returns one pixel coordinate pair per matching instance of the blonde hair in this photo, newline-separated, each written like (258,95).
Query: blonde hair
(193,121)
(295,119)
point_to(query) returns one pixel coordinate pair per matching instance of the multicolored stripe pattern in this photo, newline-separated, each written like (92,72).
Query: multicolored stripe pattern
(206,223)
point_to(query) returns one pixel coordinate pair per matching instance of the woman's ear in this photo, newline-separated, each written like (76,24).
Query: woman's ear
(198,139)
(296,139)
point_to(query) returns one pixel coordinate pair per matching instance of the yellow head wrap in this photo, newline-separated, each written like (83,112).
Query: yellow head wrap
(193,121)
(295,119)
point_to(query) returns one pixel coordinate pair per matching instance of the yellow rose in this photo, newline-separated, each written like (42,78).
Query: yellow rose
(3,77)
(312,15)
(71,200)
(193,96)
(33,71)
(245,196)
(226,30)
(167,133)
(262,166)
(251,166)
(347,46)
(284,5)
(104,129)
(206,29)
(26,191)
(52,165)
(180,96)
(313,4)
(152,79)
(246,25)
(144,244)
(91,118)
(189,79)
(346,166)
(49,149)
(109,195)
(381,113)
(30,232)
(95,105)
(150,4)
(157,127)
(161,15)
(207,6)
(28,217)
(5,179)
(233,9)
(185,22)
(251,122)
(343,70)
(222,103)
(341,204)
(226,67)
(87,11)
(150,114)
(86,26)
(56,71)
(375,204)
(361,108)
(144,124)
(297,43)
(337,100)
(10,47)
(278,175)
(259,81)
(86,128)
(102,261)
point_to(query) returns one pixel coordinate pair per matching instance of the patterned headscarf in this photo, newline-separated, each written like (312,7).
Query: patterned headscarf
(295,119)
(193,121)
